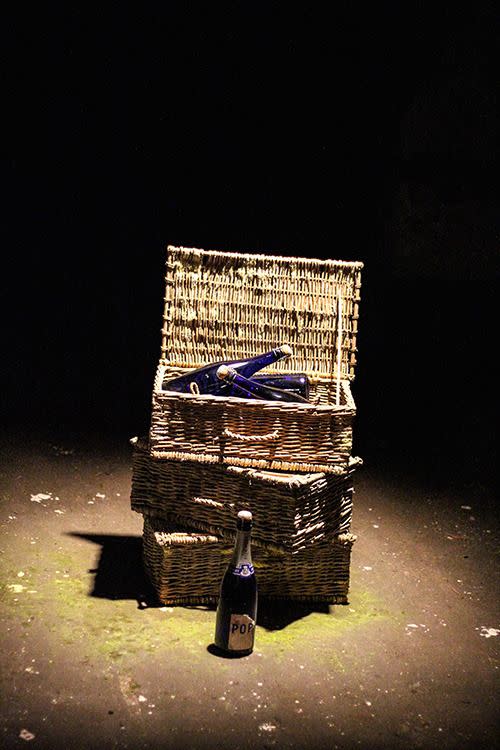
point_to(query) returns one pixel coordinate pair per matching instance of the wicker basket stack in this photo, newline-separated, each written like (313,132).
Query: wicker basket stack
(207,457)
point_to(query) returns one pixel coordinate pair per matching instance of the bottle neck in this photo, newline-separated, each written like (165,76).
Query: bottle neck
(269,357)
(242,549)
(244,385)
(254,364)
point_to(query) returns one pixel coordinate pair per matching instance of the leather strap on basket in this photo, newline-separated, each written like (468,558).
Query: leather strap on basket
(251,438)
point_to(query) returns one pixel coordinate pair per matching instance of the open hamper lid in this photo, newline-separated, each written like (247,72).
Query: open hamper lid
(231,306)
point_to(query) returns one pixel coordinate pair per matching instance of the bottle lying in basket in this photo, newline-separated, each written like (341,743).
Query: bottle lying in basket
(205,380)
(296,382)
(237,607)
(252,389)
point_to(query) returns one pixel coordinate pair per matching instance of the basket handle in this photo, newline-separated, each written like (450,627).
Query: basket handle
(208,501)
(251,438)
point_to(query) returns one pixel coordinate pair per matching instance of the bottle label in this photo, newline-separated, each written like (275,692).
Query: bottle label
(244,570)
(241,633)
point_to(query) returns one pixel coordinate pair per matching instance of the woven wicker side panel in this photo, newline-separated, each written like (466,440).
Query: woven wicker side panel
(292,437)
(320,572)
(178,573)
(191,573)
(230,306)
(208,497)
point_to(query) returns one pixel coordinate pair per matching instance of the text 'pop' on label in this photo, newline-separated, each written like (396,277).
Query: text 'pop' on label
(241,632)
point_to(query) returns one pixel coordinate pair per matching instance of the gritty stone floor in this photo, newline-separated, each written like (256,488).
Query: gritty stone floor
(410,662)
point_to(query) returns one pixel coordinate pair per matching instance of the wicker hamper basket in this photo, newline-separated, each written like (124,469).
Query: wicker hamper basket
(291,511)
(230,306)
(186,568)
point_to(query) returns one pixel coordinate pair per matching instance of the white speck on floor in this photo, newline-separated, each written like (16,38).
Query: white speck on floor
(16,588)
(25,734)
(267,727)
(489,632)
(40,496)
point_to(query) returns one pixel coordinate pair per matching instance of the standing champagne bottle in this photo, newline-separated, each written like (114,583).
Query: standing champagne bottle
(253,389)
(205,380)
(237,608)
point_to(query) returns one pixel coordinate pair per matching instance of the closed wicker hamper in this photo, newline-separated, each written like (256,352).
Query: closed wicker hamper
(186,567)
(230,306)
(290,511)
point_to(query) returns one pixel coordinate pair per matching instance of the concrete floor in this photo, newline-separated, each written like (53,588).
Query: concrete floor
(411,662)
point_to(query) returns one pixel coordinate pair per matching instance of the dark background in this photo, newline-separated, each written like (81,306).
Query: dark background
(365,134)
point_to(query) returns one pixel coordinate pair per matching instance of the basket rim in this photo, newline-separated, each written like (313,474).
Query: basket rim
(290,480)
(164,394)
(170,535)
(354,264)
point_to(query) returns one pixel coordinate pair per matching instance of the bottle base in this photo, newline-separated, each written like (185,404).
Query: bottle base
(226,653)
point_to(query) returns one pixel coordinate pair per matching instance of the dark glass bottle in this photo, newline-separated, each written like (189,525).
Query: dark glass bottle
(296,382)
(205,380)
(253,389)
(237,607)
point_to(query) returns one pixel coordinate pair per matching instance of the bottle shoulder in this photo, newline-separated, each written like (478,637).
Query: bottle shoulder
(234,581)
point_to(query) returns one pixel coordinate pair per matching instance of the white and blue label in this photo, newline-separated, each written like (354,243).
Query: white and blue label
(244,570)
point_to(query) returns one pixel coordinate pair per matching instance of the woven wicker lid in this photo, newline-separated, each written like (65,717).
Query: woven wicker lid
(230,306)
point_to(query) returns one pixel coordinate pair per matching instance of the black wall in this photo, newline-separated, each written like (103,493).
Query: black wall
(369,134)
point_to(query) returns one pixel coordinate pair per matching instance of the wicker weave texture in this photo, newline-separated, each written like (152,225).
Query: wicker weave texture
(229,306)
(221,305)
(186,567)
(247,432)
(291,511)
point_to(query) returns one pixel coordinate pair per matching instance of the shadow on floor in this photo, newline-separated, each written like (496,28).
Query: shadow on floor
(275,614)
(120,575)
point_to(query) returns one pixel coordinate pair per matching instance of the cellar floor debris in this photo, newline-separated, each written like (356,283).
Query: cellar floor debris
(87,661)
